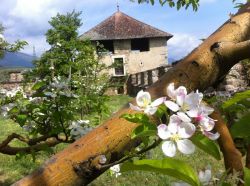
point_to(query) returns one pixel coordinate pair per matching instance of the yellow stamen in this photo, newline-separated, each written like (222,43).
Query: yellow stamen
(175,137)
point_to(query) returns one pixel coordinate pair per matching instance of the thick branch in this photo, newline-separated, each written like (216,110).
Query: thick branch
(234,52)
(232,156)
(248,157)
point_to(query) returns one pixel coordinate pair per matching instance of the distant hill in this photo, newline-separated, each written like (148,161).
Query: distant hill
(16,60)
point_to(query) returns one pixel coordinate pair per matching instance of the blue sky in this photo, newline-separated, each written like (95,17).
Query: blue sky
(28,19)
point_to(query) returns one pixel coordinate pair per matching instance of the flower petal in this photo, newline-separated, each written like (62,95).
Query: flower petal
(210,135)
(133,107)
(186,130)
(185,146)
(175,119)
(143,98)
(169,148)
(163,131)
(206,110)
(171,91)
(158,101)
(193,100)
(205,176)
(207,124)
(193,113)
(150,110)
(173,127)
(181,93)
(183,117)
(172,106)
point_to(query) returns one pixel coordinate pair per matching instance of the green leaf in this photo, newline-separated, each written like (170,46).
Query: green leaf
(239,97)
(21,119)
(207,145)
(167,166)
(241,127)
(136,118)
(38,85)
(146,129)
(247,176)
(162,109)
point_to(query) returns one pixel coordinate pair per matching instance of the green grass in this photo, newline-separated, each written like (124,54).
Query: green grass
(11,169)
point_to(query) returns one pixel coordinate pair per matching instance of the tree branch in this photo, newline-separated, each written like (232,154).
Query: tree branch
(233,52)
(232,156)
(248,157)
(11,137)
(33,148)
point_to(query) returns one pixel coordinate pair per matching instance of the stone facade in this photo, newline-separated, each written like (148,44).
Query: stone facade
(136,61)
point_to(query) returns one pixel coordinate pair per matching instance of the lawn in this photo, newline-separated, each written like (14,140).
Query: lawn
(13,168)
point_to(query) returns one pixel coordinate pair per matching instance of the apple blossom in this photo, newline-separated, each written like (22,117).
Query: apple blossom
(184,101)
(143,100)
(206,124)
(77,130)
(115,170)
(205,176)
(176,134)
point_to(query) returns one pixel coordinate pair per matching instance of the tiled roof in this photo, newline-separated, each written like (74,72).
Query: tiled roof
(122,26)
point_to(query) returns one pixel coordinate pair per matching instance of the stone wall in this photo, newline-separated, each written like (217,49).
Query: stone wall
(136,61)
(236,80)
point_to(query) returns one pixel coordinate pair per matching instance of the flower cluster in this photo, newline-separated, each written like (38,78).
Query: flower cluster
(115,170)
(188,115)
(79,128)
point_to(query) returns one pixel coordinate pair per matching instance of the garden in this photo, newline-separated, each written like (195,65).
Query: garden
(61,128)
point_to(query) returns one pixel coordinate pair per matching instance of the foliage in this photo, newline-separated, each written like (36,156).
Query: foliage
(171,3)
(69,85)
(168,166)
(4,45)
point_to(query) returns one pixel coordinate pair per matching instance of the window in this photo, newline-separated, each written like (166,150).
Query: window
(140,44)
(105,46)
(118,66)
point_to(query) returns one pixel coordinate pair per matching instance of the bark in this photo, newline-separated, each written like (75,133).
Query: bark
(232,156)
(248,157)
(79,163)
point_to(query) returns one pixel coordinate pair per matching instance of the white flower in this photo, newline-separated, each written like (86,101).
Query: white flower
(50,94)
(77,130)
(115,170)
(184,101)
(205,176)
(206,124)
(143,100)
(176,134)
(6,108)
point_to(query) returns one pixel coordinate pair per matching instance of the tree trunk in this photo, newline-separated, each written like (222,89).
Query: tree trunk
(79,163)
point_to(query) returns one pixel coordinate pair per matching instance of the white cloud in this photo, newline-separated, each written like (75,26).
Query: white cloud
(181,44)
(28,19)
